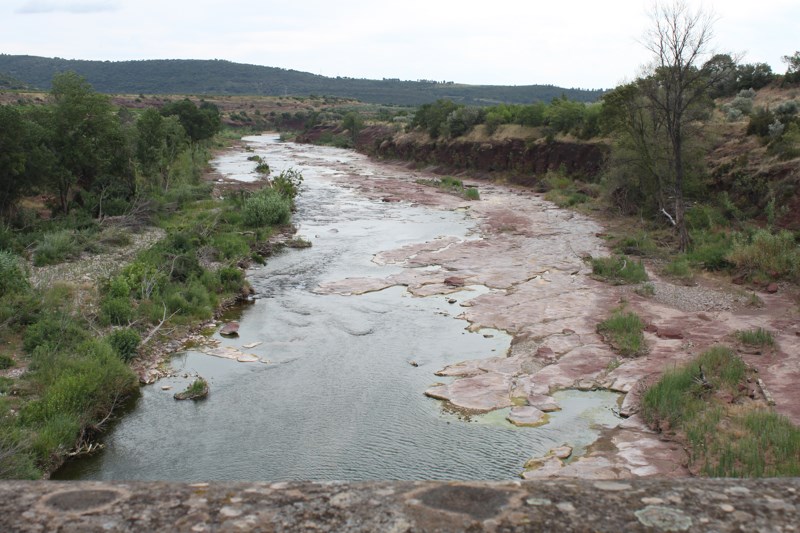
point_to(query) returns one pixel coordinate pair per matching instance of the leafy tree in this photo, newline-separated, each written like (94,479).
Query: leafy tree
(724,70)
(753,76)
(85,137)
(564,115)
(13,158)
(792,68)
(432,117)
(159,142)
(200,123)
(353,123)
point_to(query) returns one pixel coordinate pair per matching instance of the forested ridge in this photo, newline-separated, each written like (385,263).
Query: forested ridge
(190,76)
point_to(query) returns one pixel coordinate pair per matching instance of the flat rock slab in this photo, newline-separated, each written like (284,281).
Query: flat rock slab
(228,352)
(480,394)
(526,416)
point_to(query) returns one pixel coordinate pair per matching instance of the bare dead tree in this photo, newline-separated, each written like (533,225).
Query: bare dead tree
(677,86)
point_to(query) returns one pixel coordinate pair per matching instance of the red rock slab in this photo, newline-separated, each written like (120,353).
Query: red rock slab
(351,286)
(401,255)
(481,394)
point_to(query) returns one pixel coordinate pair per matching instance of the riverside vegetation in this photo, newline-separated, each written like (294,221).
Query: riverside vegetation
(105,174)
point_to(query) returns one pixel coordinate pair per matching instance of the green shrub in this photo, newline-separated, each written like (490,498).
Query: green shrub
(767,255)
(57,434)
(231,278)
(12,275)
(20,308)
(755,337)
(646,290)
(266,208)
(638,243)
(54,332)
(471,193)
(185,267)
(116,311)
(619,269)
(679,268)
(125,342)
(230,246)
(6,361)
(702,216)
(624,331)
(709,250)
(56,247)
(118,287)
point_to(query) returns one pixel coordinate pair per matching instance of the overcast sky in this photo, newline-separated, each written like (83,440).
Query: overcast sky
(570,43)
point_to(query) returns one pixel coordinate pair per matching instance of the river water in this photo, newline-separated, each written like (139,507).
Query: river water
(338,398)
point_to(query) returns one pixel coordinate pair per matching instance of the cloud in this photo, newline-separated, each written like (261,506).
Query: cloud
(56,6)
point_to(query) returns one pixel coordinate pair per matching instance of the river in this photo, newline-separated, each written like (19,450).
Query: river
(336,396)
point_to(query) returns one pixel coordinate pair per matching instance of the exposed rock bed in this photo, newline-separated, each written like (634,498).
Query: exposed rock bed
(527,255)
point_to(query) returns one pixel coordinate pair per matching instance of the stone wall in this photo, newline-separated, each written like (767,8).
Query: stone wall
(635,505)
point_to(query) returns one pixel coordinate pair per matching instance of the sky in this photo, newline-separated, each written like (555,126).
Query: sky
(569,43)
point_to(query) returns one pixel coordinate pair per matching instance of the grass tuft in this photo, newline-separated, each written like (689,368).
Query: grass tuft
(755,337)
(619,270)
(624,331)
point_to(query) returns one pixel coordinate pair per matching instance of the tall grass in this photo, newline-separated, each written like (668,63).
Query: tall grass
(767,255)
(755,337)
(725,440)
(624,330)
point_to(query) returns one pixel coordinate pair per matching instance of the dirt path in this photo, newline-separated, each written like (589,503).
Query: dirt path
(530,255)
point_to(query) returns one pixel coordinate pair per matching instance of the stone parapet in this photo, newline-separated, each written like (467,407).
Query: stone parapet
(769,505)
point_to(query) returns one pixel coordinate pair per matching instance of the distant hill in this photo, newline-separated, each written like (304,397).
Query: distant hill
(9,82)
(191,76)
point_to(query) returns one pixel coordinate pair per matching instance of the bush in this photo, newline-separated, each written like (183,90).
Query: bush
(231,278)
(12,275)
(710,250)
(767,255)
(6,361)
(116,311)
(619,270)
(54,332)
(266,208)
(125,342)
(679,268)
(230,246)
(56,247)
(118,287)
(471,193)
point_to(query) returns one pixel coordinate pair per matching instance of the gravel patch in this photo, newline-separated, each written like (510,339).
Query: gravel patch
(89,268)
(697,298)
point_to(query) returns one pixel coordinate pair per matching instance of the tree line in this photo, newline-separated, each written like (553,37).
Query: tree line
(86,153)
